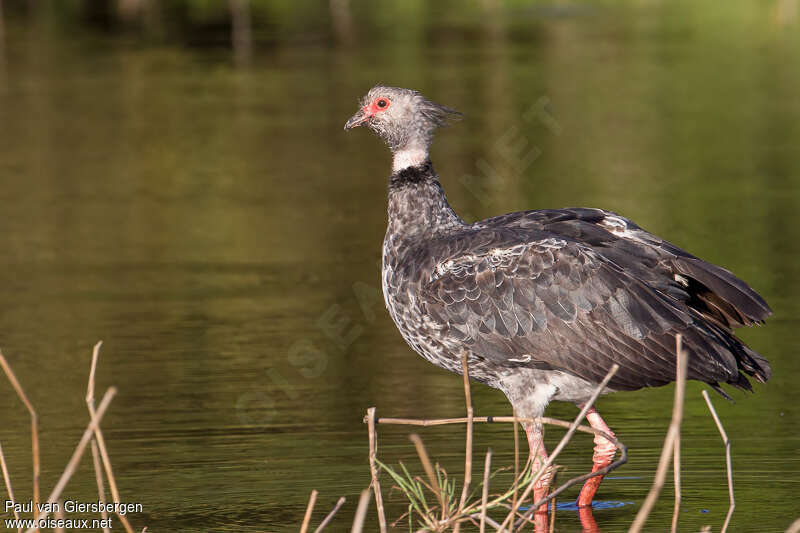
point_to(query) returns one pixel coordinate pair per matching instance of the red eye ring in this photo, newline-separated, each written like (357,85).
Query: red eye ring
(379,104)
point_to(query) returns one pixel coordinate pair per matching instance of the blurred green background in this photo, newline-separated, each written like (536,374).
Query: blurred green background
(174,180)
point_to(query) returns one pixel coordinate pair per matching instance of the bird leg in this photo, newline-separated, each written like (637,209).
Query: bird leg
(538,458)
(604,452)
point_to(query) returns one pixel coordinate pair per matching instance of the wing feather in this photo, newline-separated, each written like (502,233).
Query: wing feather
(562,305)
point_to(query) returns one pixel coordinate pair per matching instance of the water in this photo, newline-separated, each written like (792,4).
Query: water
(217,229)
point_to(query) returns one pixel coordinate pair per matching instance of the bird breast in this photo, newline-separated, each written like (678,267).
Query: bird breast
(401,280)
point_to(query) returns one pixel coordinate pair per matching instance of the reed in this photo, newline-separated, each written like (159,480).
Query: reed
(416,491)
(676,445)
(59,514)
(98,437)
(7,479)
(330,515)
(12,378)
(670,441)
(468,450)
(516,457)
(373,468)
(98,474)
(91,435)
(728,467)
(309,509)
(361,512)
(74,460)
(433,477)
(447,512)
(487,466)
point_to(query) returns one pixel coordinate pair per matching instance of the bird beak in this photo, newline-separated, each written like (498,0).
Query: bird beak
(356,120)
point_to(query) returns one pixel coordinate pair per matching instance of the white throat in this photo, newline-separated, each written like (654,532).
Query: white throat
(408,157)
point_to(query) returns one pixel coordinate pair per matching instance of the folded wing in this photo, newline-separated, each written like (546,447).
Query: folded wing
(570,293)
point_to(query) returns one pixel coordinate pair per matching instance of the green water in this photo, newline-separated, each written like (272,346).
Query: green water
(217,229)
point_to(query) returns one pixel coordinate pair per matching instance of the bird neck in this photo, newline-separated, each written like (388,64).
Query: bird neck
(409,156)
(417,203)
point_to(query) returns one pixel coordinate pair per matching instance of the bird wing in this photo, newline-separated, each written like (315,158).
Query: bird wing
(538,299)
(714,292)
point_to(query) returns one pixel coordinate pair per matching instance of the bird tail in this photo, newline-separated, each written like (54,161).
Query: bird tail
(720,295)
(748,363)
(753,364)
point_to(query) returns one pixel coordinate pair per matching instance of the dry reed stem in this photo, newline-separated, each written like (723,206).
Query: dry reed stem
(426,464)
(516,459)
(78,453)
(468,450)
(98,474)
(727,443)
(794,527)
(553,504)
(520,517)
(564,440)
(669,441)
(676,458)
(330,515)
(309,509)
(92,372)
(59,515)
(373,468)
(676,477)
(7,479)
(572,427)
(510,419)
(489,521)
(34,429)
(98,436)
(487,464)
(361,511)
(431,422)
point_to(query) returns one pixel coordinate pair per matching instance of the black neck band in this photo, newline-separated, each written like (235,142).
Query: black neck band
(413,175)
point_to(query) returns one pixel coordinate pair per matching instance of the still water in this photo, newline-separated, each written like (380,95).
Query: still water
(214,226)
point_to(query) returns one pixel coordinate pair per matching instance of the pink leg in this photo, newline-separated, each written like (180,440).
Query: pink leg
(604,452)
(539,457)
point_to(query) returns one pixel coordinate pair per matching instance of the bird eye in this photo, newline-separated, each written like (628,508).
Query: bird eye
(382,103)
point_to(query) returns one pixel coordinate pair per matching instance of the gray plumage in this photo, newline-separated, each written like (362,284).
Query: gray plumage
(545,302)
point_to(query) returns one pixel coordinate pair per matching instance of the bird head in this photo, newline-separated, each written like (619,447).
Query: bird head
(403,118)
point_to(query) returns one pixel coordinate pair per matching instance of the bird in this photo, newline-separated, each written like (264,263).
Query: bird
(545,302)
